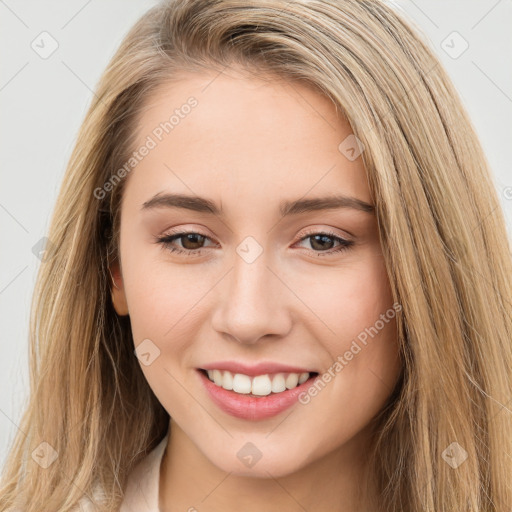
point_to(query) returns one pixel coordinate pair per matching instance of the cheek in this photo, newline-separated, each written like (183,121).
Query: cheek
(164,306)
(356,304)
(351,298)
(162,296)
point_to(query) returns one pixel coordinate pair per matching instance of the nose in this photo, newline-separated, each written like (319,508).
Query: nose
(253,302)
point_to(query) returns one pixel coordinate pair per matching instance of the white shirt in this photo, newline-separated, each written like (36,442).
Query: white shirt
(142,487)
(143,482)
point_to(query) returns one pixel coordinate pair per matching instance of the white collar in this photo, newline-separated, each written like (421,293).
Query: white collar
(142,488)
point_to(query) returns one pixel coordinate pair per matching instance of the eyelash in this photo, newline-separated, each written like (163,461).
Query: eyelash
(167,240)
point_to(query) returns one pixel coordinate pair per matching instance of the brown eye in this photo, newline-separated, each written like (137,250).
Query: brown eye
(323,243)
(191,241)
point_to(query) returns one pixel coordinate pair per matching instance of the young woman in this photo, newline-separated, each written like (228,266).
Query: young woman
(279,278)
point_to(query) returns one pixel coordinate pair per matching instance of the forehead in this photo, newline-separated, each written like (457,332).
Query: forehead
(244,136)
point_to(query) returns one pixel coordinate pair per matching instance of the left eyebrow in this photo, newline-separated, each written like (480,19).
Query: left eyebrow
(324,203)
(286,208)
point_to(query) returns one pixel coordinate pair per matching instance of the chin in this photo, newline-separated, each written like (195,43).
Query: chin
(272,461)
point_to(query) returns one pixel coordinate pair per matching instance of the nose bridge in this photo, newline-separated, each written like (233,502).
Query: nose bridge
(253,301)
(250,280)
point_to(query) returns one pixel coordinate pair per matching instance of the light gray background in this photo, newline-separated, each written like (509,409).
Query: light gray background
(43,102)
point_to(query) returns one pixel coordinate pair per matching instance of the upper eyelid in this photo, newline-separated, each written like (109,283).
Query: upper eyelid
(309,233)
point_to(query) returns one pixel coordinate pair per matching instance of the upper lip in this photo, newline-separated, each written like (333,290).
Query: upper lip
(261,368)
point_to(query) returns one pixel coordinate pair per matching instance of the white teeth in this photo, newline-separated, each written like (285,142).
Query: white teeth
(241,383)
(227,381)
(278,384)
(292,380)
(260,385)
(217,377)
(303,377)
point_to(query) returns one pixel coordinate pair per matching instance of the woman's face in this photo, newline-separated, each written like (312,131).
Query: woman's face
(291,289)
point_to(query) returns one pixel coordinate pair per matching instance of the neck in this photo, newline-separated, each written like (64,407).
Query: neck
(333,483)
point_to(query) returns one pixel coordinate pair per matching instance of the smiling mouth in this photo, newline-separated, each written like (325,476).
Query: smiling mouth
(258,385)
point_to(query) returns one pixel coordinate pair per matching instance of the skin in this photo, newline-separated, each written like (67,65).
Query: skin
(248,145)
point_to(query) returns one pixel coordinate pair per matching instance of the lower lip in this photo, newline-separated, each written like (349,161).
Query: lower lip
(250,407)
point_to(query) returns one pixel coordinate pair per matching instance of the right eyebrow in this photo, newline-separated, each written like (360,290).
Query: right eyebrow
(194,203)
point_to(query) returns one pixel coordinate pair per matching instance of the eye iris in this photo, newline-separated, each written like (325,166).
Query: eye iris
(323,238)
(194,238)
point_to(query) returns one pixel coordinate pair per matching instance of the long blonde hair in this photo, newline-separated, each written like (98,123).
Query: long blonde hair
(442,232)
